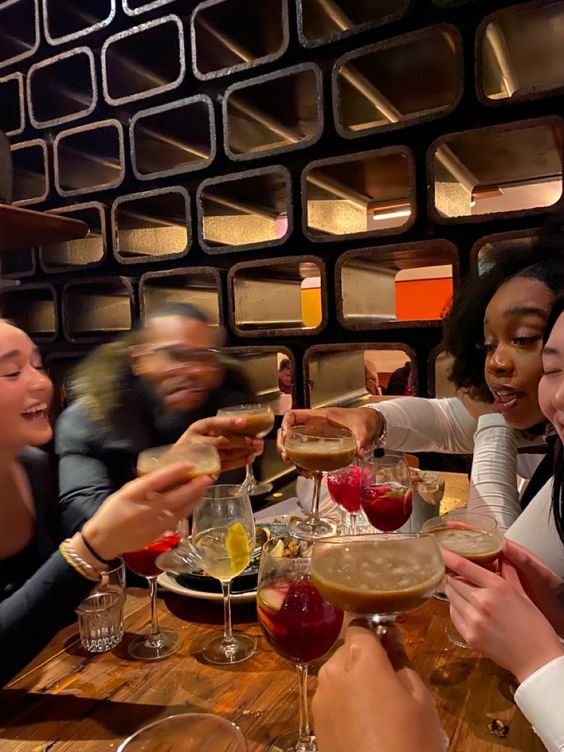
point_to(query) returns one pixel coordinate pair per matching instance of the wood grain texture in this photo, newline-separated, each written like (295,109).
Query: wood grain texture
(68,701)
(24,228)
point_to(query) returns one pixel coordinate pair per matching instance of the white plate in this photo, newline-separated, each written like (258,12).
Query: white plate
(169,583)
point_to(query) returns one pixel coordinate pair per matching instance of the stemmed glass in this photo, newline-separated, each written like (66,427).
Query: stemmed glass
(223,537)
(318,450)
(474,536)
(299,624)
(160,643)
(378,576)
(344,487)
(189,732)
(386,495)
(205,460)
(260,421)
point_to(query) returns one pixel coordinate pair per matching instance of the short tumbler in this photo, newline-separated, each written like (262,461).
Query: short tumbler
(100,621)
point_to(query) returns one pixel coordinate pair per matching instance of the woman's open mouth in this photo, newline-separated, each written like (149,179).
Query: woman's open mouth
(36,412)
(505,398)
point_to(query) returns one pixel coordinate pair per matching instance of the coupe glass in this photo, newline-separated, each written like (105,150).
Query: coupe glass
(223,537)
(260,422)
(344,487)
(205,460)
(318,450)
(386,495)
(189,732)
(473,535)
(299,624)
(377,576)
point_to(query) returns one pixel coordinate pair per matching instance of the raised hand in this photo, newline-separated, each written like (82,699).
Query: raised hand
(368,698)
(495,616)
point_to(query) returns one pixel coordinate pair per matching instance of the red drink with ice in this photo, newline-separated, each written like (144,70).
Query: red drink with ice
(299,624)
(344,487)
(387,505)
(143,561)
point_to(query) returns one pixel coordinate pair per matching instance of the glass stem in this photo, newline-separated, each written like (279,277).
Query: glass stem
(353,523)
(317,478)
(154,615)
(227,629)
(250,480)
(304,731)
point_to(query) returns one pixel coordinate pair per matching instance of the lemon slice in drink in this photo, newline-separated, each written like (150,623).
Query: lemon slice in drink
(237,546)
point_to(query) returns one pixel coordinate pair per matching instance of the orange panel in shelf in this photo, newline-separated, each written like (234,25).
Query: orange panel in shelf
(420,299)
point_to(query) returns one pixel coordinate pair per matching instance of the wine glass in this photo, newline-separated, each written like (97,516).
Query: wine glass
(205,460)
(223,536)
(474,536)
(158,643)
(386,496)
(377,576)
(189,732)
(344,487)
(260,421)
(318,449)
(299,624)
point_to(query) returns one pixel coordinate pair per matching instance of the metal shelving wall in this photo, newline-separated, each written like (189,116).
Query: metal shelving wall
(221,151)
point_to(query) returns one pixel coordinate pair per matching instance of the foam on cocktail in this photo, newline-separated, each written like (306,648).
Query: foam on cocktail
(375,579)
(476,545)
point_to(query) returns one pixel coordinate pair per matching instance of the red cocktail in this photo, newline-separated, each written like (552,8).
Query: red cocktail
(388,506)
(142,562)
(299,624)
(344,487)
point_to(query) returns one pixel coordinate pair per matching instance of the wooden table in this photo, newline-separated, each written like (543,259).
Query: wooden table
(69,701)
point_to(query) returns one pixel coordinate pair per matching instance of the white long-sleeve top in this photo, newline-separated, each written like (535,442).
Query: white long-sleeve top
(415,424)
(540,699)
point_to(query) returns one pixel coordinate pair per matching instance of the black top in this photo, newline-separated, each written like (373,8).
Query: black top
(93,462)
(38,589)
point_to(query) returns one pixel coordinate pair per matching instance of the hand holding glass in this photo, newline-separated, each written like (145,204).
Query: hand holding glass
(474,536)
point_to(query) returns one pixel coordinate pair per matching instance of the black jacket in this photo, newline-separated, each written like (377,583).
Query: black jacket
(39,591)
(93,463)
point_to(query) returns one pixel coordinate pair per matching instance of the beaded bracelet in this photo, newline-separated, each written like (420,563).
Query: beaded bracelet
(73,559)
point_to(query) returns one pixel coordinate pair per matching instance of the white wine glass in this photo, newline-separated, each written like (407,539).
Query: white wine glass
(223,537)
(259,423)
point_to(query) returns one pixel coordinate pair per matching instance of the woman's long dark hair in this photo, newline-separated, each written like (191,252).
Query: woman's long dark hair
(558,481)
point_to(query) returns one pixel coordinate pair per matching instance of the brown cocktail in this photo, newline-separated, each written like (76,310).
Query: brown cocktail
(376,575)
(318,449)
(475,545)
(321,456)
(204,458)
(259,421)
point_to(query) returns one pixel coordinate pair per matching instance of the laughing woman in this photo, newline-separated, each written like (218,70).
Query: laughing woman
(42,580)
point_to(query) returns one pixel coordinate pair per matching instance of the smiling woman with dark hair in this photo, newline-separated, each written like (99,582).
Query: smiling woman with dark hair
(144,389)
(43,579)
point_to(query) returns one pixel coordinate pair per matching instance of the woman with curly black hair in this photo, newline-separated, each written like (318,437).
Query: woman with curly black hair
(494,332)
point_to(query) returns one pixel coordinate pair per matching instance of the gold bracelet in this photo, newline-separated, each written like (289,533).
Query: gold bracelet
(73,559)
